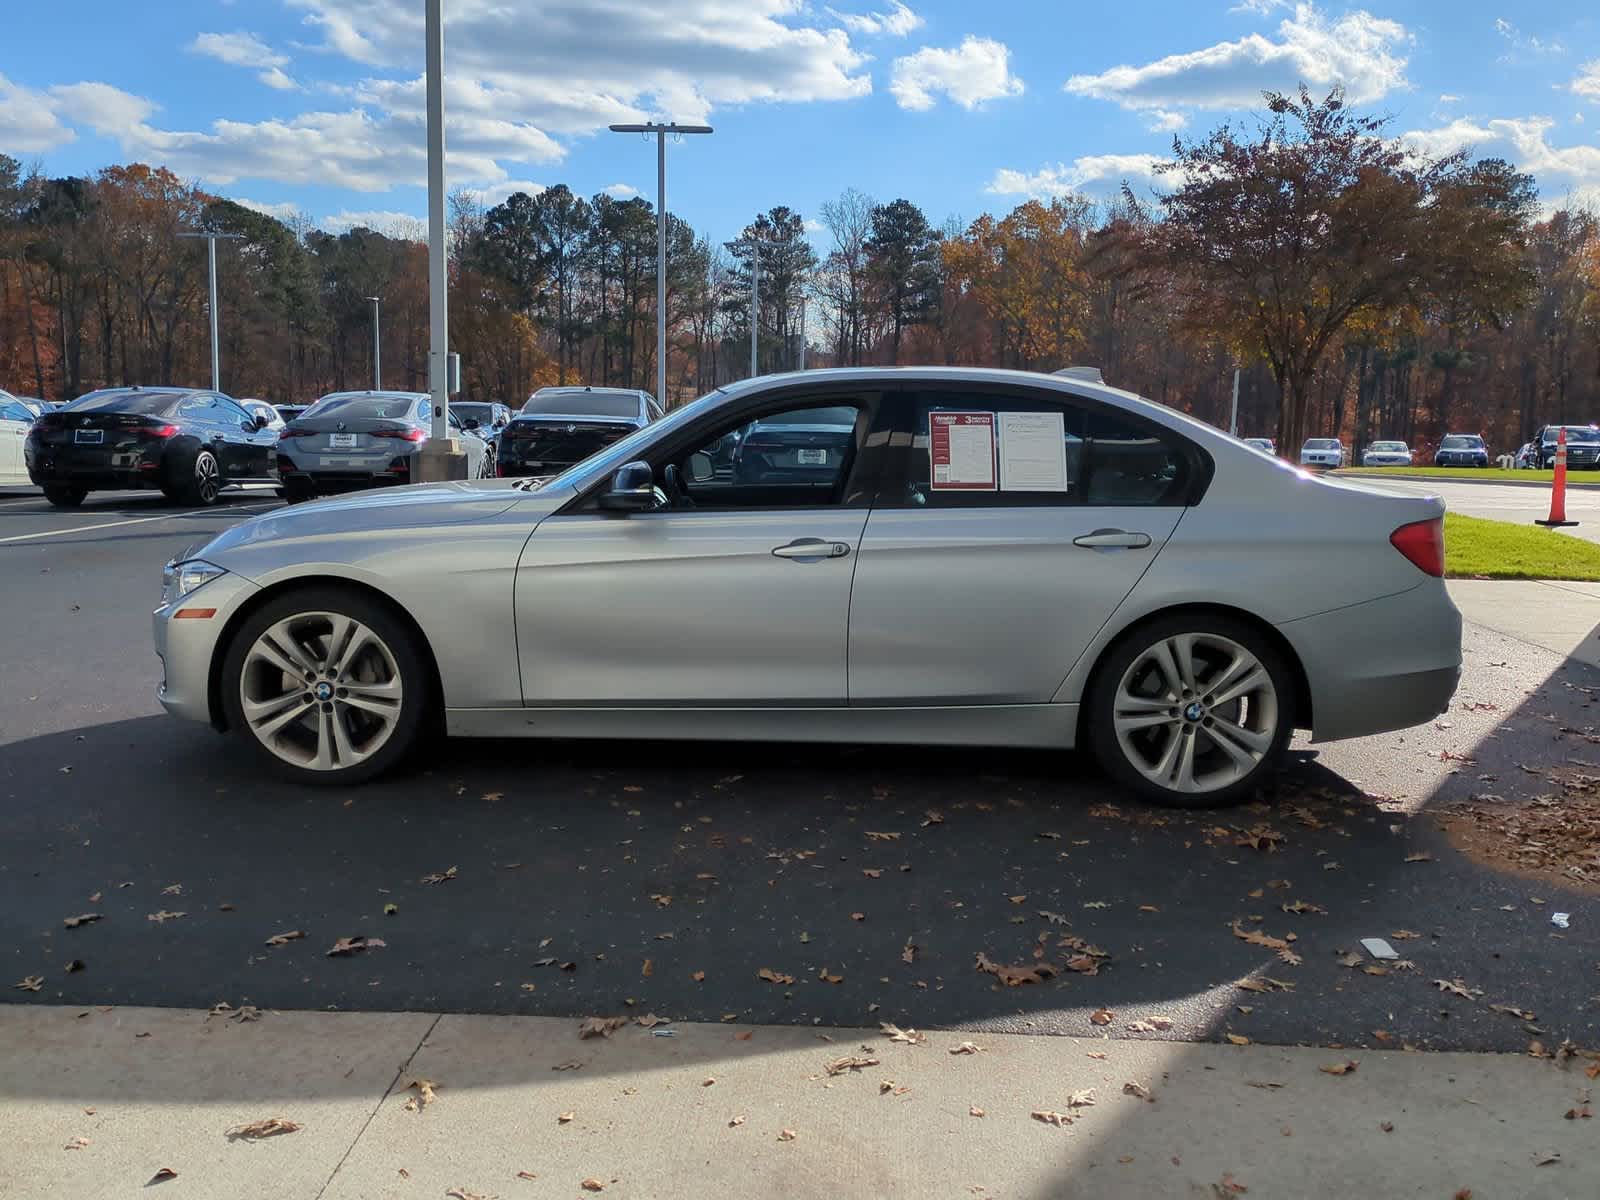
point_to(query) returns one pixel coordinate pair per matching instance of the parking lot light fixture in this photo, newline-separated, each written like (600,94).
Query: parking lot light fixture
(212,236)
(377,345)
(661,131)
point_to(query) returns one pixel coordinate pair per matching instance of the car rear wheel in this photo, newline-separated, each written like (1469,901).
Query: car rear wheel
(204,482)
(1191,711)
(65,497)
(326,685)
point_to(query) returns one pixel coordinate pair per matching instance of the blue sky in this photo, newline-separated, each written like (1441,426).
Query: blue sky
(314,106)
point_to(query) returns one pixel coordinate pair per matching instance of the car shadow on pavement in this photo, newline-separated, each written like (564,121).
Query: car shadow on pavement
(773,884)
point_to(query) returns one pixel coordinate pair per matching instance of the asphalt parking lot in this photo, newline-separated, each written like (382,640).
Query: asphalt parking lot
(578,878)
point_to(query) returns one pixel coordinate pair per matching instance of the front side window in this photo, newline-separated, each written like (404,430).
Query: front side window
(10,410)
(800,457)
(981,450)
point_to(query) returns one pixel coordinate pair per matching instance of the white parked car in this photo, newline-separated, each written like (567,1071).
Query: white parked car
(260,408)
(16,419)
(1386,454)
(1322,452)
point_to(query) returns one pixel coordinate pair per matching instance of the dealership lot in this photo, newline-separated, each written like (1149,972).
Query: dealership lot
(871,878)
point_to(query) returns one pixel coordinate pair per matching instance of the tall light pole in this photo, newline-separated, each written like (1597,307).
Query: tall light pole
(211,237)
(1233,415)
(439,458)
(377,346)
(661,132)
(752,246)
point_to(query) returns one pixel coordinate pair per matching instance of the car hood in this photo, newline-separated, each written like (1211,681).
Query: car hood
(418,508)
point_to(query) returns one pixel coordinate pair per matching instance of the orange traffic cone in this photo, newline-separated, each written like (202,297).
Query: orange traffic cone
(1558,490)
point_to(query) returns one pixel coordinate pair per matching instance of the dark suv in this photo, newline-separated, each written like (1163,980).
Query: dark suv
(561,426)
(1583,446)
(1461,450)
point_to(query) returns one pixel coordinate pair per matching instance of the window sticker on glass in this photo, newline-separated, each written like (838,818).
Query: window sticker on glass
(1033,452)
(961,447)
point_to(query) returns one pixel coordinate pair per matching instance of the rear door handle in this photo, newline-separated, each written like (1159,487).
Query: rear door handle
(812,549)
(1113,538)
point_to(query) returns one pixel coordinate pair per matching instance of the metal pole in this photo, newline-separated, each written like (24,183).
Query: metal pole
(216,350)
(803,333)
(661,267)
(755,304)
(438,278)
(1233,419)
(377,347)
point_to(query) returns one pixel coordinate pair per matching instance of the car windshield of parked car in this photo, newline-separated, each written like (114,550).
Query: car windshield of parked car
(583,404)
(388,408)
(472,411)
(1574,432)
(125,402)
(1322,444)
(1465,442)
(1389,447)
(813,416)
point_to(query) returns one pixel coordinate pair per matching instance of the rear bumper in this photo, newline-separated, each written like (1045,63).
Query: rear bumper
(1385,664)
(327,483)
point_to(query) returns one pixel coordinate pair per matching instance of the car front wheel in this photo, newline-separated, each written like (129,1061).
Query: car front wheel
(1191,711)
(326,685)
(65,497)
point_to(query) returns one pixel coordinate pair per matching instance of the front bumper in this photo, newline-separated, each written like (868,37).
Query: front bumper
(1461,460)
(1385,664)
(187,647)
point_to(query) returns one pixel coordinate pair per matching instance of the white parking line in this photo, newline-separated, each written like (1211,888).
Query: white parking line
(25,537)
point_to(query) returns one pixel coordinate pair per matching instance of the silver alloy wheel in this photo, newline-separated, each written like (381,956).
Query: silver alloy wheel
(205,477)
(321,691)
(1195,713)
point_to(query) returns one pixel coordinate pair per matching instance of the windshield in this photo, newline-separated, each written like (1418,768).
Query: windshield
(1389,447)
(584,404)
(473,411)
(608,460)
(391,408)
(1467,442)
(1574,432)
(813,416)
(1322,444)
(126,402)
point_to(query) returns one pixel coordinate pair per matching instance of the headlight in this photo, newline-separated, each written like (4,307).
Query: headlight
(178,579)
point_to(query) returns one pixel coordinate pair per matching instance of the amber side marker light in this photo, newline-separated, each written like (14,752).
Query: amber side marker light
(194,614)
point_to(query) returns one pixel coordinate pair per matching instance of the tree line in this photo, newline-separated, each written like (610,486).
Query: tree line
(1361,290)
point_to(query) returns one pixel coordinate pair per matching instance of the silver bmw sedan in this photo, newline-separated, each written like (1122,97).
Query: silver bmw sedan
(960,557)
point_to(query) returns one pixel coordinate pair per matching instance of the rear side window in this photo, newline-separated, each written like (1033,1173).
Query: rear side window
(986,450)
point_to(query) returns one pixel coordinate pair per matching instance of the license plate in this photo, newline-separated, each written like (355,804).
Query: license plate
(341,441)
(813,458)
(89,437)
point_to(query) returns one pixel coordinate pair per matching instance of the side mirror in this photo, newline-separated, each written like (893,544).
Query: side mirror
(633,489)
(254,424)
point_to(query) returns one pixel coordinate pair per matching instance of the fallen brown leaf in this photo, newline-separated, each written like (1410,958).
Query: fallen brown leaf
(424,1097)
(1101,1016)
(908,953)
(81,919)
(526,1175)
(354,945)
(563,1118)
(265,1128)
(283,939)
(164,915)
(30,983)
(850,1062)
(600,1026)
(698,976)
(975,1111)
(1015,976)
(1457,988)
(592,1185)
(1132,1088)
(161,1176)
(1419,856)
(771,976)
(827,978)
(1059,1120)
(966,1048)
(1341,1068)
(572,1064)
(1238,1039)
(878,836)
(440,876)
(787,1135)
(894,1033)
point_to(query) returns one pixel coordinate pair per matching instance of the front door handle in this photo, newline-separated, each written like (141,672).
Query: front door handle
(812,549)
(1119,538)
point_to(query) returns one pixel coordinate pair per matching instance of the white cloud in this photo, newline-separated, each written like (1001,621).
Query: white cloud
(1449,98)
(1096,172)
(1358,51)
(1566,174)
(813,226)
(406,226)
(1587,82)
(501,192)
(978,70)
(108,111)
(243,49)
(286,211)
(1258,8)
(897,22)
(1519,44)
(1163,120)
(28,121)
(621,191)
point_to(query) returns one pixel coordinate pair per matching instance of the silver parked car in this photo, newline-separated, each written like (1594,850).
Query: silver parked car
(1386,454)
(1322,452)
(347,441)
(996,558)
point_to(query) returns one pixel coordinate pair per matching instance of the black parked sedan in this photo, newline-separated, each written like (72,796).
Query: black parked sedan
(561,426)
(191,444)
(1461,450)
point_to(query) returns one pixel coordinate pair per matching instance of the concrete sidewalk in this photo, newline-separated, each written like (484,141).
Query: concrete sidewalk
(94,1102)
(1560,616)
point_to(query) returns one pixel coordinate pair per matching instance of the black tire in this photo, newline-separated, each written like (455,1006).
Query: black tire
(1128,649)
(297,491)
(63,496)
(411,666)
(203,483)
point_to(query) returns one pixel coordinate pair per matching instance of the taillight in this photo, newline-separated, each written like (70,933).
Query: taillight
(292,432)
(404,435)
(161,432)
(1422,542)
